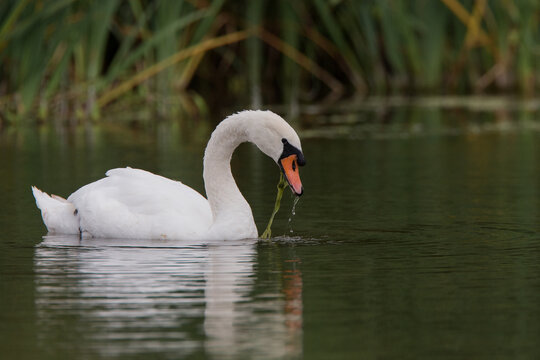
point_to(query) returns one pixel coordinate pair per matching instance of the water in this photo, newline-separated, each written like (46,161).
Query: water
(293,212)
(416,237)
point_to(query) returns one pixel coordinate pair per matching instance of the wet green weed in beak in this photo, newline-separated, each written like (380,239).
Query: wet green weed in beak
(280,187)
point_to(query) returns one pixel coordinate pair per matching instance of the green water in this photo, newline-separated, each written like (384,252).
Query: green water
(414,239)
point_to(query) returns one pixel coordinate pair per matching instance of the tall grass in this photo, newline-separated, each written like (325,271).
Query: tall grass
(70,59)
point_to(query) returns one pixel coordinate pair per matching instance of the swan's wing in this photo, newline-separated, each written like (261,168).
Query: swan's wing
(133,203)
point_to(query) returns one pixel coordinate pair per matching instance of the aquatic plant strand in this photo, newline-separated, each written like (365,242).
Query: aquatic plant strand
(280,187)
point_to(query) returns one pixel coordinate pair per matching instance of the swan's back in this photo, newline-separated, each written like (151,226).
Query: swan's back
(133,203)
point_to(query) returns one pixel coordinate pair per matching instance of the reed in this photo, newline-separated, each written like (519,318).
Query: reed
(72,58)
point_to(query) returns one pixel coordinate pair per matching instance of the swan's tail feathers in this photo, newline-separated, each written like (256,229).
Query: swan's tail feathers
(59,215)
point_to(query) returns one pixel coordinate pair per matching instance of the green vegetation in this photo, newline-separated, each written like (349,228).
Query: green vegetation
(70,59)
(267,234)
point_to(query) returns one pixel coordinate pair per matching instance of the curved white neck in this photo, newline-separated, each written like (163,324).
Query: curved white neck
(226,200)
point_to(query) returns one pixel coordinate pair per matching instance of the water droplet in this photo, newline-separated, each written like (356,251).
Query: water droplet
(293,212)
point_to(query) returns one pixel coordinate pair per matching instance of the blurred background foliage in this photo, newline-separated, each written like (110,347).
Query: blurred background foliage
(70,59)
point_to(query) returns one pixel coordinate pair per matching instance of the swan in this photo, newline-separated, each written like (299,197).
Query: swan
(136,204)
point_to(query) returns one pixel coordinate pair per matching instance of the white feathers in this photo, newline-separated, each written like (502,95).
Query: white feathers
(132,203)
(58,214)
(136,204)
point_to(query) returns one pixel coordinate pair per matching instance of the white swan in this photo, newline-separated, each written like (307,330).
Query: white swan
(136,204)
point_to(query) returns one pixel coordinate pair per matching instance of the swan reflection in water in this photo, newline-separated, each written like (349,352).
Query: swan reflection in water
(127,297)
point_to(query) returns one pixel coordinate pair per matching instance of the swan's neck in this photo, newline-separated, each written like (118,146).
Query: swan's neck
(227,203)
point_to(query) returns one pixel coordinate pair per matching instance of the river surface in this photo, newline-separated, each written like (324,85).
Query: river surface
(417,237)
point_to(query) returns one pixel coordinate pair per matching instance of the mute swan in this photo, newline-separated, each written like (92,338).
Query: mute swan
(136,204)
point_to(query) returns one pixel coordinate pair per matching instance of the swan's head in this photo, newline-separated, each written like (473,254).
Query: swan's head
(277,139)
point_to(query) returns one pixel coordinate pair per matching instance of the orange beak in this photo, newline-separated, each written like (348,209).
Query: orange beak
(289,165)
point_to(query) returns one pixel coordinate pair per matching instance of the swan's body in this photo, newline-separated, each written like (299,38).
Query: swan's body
(136,204)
